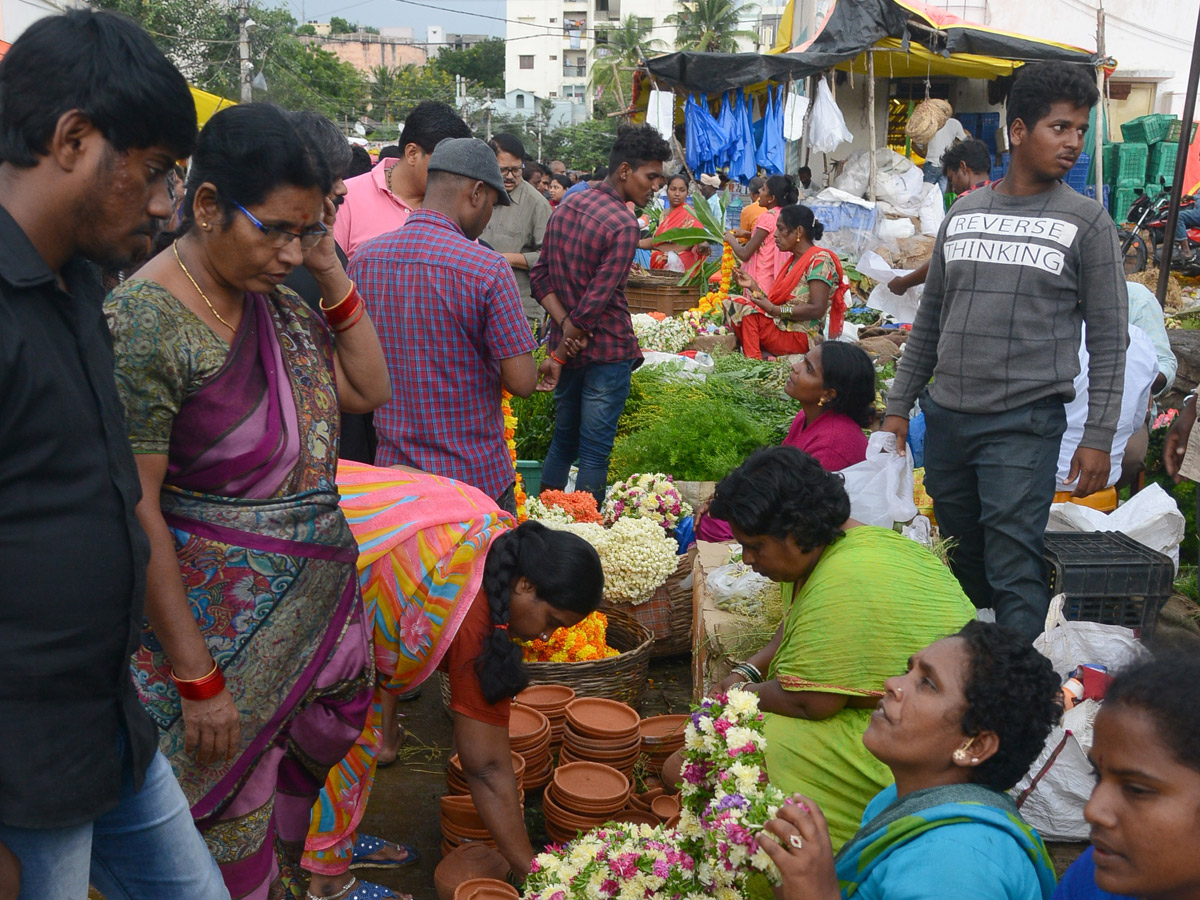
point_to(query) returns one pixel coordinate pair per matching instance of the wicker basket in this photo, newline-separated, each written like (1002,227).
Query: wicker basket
(620,678)
(660,292)
(668,614)
(710,342)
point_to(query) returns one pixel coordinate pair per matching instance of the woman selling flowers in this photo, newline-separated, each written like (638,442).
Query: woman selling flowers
(669,256)
(956,731)
(789,317)
(449,585)
(862,600)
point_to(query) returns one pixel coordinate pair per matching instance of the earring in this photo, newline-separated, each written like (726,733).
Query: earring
(822,402)
(960,756)
(205,226)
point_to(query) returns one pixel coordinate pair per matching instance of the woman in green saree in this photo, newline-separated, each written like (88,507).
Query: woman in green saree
(861,600)
(957,730)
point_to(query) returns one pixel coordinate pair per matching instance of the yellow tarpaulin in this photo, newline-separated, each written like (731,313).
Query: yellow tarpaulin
(207,105)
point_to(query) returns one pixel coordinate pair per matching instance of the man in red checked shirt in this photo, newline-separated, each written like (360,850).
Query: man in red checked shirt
(580,281)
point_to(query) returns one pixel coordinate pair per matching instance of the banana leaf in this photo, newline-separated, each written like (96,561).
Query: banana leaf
(687,237)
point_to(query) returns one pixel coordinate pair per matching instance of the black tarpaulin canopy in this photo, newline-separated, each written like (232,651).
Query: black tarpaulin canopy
(911,42)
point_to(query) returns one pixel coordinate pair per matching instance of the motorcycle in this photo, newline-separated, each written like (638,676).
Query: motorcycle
(1148,216)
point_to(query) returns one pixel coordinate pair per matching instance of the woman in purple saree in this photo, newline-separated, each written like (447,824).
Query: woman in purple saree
(232,389)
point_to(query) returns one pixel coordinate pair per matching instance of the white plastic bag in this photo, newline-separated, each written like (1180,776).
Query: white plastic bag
(933,210)
(881,486)
(826,124)
(901,307)
(1057,787)
(736,587)
(1150,517)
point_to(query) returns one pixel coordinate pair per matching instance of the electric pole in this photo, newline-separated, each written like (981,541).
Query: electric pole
(244,77)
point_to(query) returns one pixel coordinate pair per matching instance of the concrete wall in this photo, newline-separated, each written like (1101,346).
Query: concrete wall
(366,51)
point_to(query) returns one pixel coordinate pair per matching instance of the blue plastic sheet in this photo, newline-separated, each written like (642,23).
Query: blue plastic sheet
(742,166)
(916,439)
(685,534)
(728,126)
(704,137)
(772,150)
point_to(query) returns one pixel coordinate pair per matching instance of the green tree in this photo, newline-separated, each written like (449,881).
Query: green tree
(307,30)
(338,25)
(584,145)
(482,64)
(395,91)
(711,25)
(199,36)
(619,49)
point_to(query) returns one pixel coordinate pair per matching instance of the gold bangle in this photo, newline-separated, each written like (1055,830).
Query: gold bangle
(328,309)
(203,677)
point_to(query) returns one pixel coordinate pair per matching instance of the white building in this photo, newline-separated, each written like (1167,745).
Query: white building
(550,43)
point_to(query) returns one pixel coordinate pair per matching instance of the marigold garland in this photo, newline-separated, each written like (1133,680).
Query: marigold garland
(580,505)
(584,642)
(510,437)
(710,303)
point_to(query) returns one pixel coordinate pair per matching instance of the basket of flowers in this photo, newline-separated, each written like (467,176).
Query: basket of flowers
(606,655)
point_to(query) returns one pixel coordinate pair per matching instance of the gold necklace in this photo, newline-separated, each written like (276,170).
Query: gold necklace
(203,296)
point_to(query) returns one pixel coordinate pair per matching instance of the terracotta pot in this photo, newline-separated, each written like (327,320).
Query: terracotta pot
(525,725)
(466,862)
(454,769)
(461,813)
(672,772)
(596,717)
(468,889)
(547,698)
(592,782)
(636,817)
(663,729)
(565,818)
(665,807)
(575,739)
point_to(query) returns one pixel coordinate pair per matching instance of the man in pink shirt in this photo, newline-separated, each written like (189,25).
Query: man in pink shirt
(381,200)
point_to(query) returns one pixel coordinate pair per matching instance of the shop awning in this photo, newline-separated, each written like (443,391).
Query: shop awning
(910,41)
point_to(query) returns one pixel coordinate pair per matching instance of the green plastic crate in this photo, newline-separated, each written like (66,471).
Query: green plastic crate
(1148,129)
(1130,170)
(1162,162)
(1153,188)
(1121,201)
(1177,129)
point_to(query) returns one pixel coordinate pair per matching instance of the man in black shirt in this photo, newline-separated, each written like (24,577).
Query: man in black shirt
(92,117)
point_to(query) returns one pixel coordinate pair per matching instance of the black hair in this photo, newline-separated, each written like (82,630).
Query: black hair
(755,185)
(246,152)
(391,151)
(430,123)
(783,189)
(637,145)
(1012,690)
(360,161)
(799,216)
(682,176)
(1038,86)
(566,573)
(325,140)
(102,64)
(974,153)
(563,180)
(507,143)
(847,369)
(803,169)
(781,491)
(1167,689)
(600,174)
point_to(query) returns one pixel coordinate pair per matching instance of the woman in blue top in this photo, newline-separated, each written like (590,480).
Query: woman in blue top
(957,730)
(1145,807)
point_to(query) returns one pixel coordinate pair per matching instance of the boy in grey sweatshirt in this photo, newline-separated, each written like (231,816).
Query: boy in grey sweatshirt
(1017,267)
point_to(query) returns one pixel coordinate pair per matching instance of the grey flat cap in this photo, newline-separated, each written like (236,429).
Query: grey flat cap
(471,158)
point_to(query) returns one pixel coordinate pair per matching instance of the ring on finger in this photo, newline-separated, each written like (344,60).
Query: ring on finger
(796,842)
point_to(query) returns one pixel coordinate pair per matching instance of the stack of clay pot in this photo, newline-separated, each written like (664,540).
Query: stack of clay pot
(653,806)
(470,861)
(661,736)
(529,735)
(551,701)
(461,822)
(582,796)
(602,731)
(456,779)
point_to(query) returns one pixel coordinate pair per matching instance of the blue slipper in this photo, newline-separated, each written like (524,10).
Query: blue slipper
(358,889)
(367,844)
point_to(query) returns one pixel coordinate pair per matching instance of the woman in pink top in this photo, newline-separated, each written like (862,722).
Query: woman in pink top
(761,259)
(835,384)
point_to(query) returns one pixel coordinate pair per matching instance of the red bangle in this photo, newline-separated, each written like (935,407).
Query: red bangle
(554,357)
(362,310)
(345,309)
(200,688)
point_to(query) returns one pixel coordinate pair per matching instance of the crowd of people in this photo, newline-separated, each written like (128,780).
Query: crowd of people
(262,488)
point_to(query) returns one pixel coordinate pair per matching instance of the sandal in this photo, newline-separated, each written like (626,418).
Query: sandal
(366,845)
(360,890)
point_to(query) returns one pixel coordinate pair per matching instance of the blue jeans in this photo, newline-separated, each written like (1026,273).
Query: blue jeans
(1188,218)
(992,480)
(147,848)
(590,400)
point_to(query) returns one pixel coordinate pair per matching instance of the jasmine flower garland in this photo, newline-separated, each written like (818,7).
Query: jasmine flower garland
(636,554)
(649,496)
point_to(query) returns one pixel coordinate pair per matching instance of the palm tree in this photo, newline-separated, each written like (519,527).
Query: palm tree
(620,47)
(711,25)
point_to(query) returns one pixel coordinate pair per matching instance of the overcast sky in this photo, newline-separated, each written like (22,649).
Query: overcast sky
(457,16)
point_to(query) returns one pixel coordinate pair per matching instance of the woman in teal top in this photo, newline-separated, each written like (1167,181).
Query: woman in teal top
(957,730)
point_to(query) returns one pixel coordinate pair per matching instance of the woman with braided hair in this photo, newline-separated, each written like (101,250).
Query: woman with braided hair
(451,584)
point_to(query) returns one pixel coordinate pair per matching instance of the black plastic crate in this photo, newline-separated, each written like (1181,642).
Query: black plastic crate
(1108,577)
